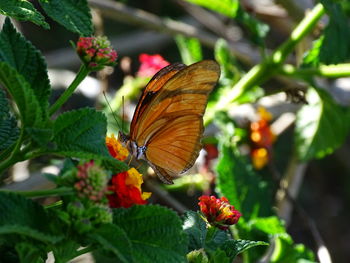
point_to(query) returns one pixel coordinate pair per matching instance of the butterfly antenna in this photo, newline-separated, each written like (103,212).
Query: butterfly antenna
(130,160)
(123,113)
(109,106)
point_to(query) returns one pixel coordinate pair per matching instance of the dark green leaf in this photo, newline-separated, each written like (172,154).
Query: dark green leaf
(234,247)
(9,131)
(320,126)
(190,49)
(225,7)
(112,238)
(22,10)
(23,217)
(72,14)
(196,229)
(30,109)
(238,182)
(21,55)
(336,43)
(155,232)
(286,251)
(65,250)
(219,256)
(29,253)
(81,133)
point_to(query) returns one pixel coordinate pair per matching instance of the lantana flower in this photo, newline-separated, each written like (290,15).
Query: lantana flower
(116,149)
(96,52)
(125,189)
(91,182)
(262,139)
(218,211)
(150,65)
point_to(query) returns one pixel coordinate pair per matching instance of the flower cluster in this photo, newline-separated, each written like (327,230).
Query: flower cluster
(91,182)
(116,149)
(218,211)
(96,52)
(262,139)
(125,189)
(151,64)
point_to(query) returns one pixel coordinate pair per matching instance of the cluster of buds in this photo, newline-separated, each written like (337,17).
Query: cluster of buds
(96,52)
(91,182)
(218,211)
(116,149)
(262,139)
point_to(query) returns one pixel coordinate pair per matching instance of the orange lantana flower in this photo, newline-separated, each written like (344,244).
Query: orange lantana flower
(116,149)
(126,189)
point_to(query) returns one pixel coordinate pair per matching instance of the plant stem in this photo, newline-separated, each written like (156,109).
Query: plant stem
(83,72)
(269,65)
(332,71)
(41,193)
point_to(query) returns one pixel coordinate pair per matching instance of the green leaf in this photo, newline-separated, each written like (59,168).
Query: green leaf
(155,232)
(225,7)
(320,126)
(74,15)
(196,229)
(287,252)
(238,182)
(257,29)
(22,10)
(21,55)
(29,253)
(65,250)
(336,43)
(81,133)
(112,238)
(9,131)
(190,49)
(312,57)
(234,247)
(219,256)
(30,109)
(270,225)
(26,219)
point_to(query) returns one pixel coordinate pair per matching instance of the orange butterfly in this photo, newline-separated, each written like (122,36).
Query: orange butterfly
(167,125)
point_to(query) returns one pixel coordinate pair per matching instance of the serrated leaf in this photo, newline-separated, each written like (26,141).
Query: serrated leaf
(29,253)
(25,218)
(155,232)
(238,182)
(112,238)
(31,112)
(190,49)
(336,43)
(81,133)
(21,55)
(22,10)
(74,15)
(9,131)
(225,7)
(196,229)
(320,126)
(65,250)
(234,247)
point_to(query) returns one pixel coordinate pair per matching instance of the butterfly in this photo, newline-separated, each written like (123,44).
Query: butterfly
(167,125)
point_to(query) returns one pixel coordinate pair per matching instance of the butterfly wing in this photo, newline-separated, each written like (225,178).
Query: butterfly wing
(170,125)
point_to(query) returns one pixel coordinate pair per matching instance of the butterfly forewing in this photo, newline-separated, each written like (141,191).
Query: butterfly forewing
(170,124)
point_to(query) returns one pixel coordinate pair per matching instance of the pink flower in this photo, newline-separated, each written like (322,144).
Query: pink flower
(150,65)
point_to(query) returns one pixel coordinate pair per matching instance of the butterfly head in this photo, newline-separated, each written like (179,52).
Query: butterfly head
(132,146)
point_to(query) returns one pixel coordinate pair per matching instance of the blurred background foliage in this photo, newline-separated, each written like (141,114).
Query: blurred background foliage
(306,127)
